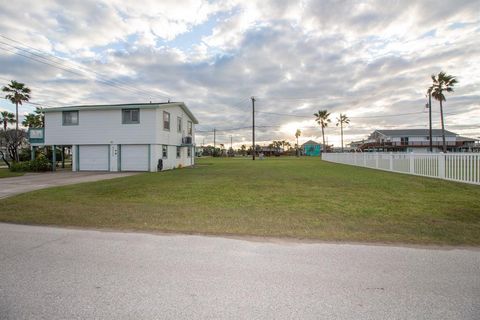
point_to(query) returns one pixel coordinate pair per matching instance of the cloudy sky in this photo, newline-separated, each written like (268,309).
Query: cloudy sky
(369,59)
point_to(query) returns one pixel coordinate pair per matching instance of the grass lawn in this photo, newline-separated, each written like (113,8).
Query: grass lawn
(286,197)
(5,173)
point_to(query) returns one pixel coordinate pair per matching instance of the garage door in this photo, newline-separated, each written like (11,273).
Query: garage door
(134,157)
(93,158)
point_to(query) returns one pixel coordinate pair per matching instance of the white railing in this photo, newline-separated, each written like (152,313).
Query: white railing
(461,167)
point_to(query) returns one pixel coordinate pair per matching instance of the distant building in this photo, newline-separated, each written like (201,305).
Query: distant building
(412,140)
(312,148)
(270,151)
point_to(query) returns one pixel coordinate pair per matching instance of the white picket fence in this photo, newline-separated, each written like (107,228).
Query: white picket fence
(461,167)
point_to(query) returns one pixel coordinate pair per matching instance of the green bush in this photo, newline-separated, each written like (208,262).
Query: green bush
(19,166)
(38,165)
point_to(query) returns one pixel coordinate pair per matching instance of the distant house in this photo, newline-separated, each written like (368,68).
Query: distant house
(412,140)
(270,151)
(121,137)
(312,148)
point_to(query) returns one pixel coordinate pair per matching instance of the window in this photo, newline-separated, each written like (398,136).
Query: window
(130,116)
(179,152)
(164,152)
(166,121)
(70,118)
(179,124)
(189,128)
(404,140)
(189,152)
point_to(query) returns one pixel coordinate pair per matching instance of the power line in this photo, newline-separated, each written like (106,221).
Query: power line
(364,117)
(74,64)
(32,103)
(74,70)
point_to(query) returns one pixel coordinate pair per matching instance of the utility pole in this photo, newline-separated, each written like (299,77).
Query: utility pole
(253,128)
(430,118)
(214,141)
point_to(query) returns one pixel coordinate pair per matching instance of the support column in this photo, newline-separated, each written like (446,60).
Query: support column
(63,157)
(74,158)
(54,158)
(32,152)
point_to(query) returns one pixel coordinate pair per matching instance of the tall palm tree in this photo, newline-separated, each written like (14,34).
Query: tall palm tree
(342,120)
(17,93)
(322,119)
(442,82)
(6,118)
(298,133)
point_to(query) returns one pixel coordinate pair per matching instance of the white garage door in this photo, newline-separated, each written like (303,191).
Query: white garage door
(134,157)
(93,158)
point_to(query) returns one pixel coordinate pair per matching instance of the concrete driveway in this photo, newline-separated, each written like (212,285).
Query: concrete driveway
(35,181)
(53,273)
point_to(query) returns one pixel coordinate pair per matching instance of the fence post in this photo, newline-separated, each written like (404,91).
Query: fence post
(390,157)
(412,162)
(441,165)
(376,160)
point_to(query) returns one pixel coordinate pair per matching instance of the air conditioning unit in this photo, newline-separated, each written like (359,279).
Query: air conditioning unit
(187,140)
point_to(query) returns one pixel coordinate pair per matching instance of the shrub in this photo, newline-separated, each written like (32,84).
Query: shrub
(19,166)
(38,165)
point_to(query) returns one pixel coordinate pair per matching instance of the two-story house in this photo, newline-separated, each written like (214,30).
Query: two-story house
(413,140)
(122,137)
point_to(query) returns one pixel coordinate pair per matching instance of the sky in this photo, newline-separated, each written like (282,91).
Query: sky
(371,60)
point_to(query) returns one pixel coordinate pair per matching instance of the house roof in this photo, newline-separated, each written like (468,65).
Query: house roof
(310,142)
(414,133)
(126,105)
(460,138)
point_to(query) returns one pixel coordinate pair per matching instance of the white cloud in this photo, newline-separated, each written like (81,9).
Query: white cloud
(356,57)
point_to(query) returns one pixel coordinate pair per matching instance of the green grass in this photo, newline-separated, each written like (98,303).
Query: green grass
(5,173)
(284,197)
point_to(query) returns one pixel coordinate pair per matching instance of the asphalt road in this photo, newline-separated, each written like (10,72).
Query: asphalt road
(53,273)
(34,181)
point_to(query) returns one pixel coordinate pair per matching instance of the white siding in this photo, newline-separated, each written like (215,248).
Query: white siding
(172,137)
(172,161)
(100,127)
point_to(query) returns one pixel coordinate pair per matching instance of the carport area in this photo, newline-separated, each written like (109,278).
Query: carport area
(34,181)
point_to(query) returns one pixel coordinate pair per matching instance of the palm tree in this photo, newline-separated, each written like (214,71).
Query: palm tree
(32,121)
(343,119)
(6,118)
(323,120)
(442,82)
(298,133)
(17,93)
